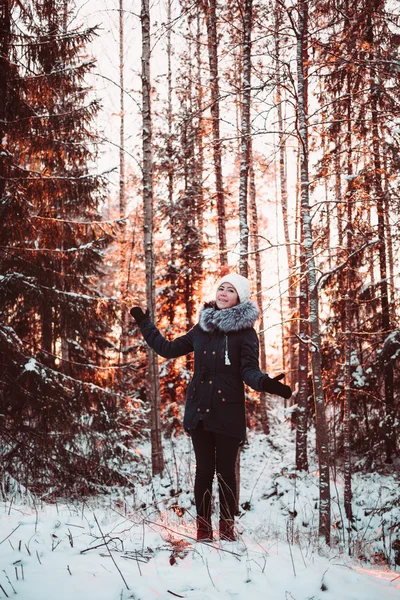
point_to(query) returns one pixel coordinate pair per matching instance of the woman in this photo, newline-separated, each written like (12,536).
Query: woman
(226,349)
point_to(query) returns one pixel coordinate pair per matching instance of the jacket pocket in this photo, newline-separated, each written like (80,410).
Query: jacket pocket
(231,391)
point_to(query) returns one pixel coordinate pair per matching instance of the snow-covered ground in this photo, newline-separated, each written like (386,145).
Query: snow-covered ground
(141,545)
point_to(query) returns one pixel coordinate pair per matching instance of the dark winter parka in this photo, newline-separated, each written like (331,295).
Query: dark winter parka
(226,350)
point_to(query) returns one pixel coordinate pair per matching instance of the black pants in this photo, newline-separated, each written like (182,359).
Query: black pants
(215,452)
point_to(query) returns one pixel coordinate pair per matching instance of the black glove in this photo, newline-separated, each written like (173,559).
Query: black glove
(139,315)
(272,386)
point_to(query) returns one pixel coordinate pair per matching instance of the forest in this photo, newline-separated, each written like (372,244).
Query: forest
(146,151)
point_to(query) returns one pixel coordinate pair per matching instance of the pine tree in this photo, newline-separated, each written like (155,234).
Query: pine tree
(55,323)
(358,53)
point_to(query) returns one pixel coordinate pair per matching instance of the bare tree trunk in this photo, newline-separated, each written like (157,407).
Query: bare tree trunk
(47,330)
(302,394)
(244,164)
(255,247)
(284,197)
(189,198)
(302,397)
(172,268)
(245,138)
(321,425)
(5,26)
(122,195)
(280,292)
(389,237)
(64,324)
(122,192)
(338,187)
(200,145)
(211,18)
(328,242)
(153,381)
(348,316)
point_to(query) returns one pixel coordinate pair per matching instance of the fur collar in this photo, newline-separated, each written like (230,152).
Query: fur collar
(236,318)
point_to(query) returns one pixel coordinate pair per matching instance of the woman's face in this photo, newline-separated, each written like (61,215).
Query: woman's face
(226,296)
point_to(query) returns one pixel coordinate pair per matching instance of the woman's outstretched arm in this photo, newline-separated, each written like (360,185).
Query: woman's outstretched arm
(178,347)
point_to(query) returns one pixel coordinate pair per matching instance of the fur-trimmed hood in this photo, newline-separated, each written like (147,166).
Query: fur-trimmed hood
(236,318)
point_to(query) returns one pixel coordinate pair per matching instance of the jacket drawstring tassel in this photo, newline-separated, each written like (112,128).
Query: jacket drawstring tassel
(227,361)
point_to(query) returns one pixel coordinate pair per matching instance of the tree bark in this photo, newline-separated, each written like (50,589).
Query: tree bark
(122,191)
(172,267)
(211,19)
(153,381)
(348,314)
(338,186)
(64,323)
(245,139)
(189,198)
(244,163)
(284,198)
(303,392)
(255,247)
(122,195)
(199,138)
(389,237)
(5,24)
(321,425)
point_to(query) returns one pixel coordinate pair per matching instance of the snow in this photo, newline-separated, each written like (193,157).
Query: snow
(358,377)
(63,550)
(32,365)
(62,565)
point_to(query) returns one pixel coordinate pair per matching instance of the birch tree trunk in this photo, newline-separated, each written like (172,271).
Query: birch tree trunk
(211,19)
(122,193)
(200,134)
(255,247)
(284,198)
(172,269)
(304,337)
(245,139)
(189,196)
(122,196)
(348,314)
(302,394)
(321,425)
(244,166)
(338,184)
(153,381)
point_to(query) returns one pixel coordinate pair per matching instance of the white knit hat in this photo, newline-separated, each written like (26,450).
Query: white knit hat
(240,283)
